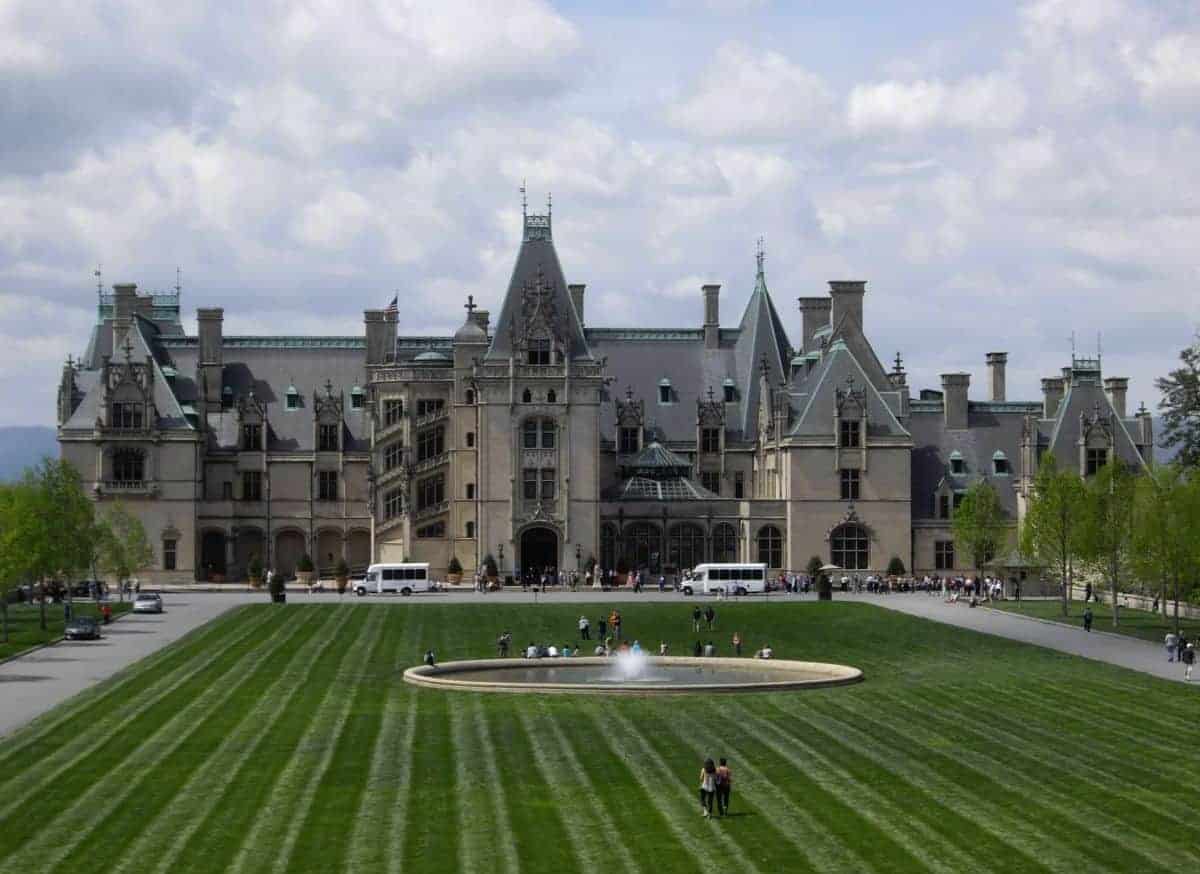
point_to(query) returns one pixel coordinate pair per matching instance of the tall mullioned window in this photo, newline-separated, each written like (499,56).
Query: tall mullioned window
(627,441)
(126,416)
(850,485)
(850,434)
(327,485)
(393,411)
(538,352)
(169,554)
(711,480)
(252,485)
(943,555)
(393,503)
(431,443)
(1096,459)
(251,437)
(770,546)
(710,440)
(327,437)
(850,548)
(393,456)
(431,491)
(129,466)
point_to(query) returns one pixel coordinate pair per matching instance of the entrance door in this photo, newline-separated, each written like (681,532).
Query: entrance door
(539,550)
(212,554)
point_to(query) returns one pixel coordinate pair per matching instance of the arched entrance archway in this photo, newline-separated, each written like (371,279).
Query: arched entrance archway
(539,550)
(212,554)
(289,547)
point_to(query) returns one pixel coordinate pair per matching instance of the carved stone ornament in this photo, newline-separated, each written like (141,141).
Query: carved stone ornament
(630,413)
(539,314)
(850,517)
(539,458)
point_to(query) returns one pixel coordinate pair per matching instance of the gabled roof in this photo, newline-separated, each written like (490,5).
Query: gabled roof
(537,266)
(1086,397)
(850,332)
(817,399)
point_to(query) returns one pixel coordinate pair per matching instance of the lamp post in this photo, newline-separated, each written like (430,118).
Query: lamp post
(500,551)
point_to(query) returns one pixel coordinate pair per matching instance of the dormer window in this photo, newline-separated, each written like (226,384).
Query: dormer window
(730,391)
(357,398)
(126,415)
(292,398)
(538,352)
(226,397)
(1096,459)
(327,437)
(957,467)
(664,391)
(1000,466)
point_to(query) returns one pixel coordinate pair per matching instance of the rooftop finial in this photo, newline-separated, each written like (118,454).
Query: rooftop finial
(524,202)
(99,281)
(629,392)
(1099,345)
(710,394)
(759,255)
(178,280)
(469,306)
(549,204)
(899,362)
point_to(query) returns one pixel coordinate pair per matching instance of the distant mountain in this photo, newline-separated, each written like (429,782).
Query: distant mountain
(25,446)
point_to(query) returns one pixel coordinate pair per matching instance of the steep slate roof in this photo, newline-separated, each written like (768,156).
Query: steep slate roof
(814,396)
(1084,397)
(537,263)
(761,337)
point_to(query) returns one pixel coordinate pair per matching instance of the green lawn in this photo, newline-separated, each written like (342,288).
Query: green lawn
(1135,623)
(24,624)
(283,738)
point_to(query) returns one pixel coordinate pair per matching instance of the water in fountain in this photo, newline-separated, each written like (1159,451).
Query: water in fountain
(633,667)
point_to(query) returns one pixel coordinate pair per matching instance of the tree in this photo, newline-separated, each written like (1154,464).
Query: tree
(17,522)
(1166,518)
(895,567)
(1180,406)
(59,531)
(1106,533)
(814,566)
(980,524)
(1050,532)
(123,547)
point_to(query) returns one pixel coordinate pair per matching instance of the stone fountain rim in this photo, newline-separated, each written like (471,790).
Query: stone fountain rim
(441,676)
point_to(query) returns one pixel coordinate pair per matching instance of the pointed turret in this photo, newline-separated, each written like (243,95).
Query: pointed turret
(761,336)
(538,313)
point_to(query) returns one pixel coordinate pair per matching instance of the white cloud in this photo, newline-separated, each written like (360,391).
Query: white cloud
(1169,70)
(753,93)
(978,102)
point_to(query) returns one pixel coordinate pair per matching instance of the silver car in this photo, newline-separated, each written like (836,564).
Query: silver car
(148,602)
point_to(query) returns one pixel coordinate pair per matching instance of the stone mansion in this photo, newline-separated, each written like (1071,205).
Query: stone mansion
(543,441)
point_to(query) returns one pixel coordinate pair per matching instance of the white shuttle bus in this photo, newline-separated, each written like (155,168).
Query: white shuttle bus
(405,578)
(732,579)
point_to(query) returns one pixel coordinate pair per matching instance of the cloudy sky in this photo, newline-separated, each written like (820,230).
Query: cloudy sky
(1002,174)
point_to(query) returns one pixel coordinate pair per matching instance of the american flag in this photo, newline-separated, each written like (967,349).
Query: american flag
(394,306)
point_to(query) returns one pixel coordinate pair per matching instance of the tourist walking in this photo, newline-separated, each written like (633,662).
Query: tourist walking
(585,628)
(724,786)
(708,787)
(709,615)
(602,627)
(1087,620)
(1188,657)
(697,615)
(697,650)
(1171,641)
(614,621)
(502,643)
(737,644)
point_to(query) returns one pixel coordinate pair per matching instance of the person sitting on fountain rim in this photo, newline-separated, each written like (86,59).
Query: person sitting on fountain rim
(709,650)
(765,653)
(662,648)
(429,658)
(600,650)
(637,647)
(531,651)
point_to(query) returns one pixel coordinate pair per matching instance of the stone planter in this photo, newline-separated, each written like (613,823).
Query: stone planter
(304,578)
(256,582)
(454,579)
(342,583)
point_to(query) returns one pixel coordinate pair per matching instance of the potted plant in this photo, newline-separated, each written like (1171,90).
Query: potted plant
(304,570)
(277,590)
(622,570)
(454,571)
(255,571)
(341,575)
(895,567)
(490,570)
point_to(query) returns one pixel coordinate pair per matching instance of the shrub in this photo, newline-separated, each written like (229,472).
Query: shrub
(342,570)
(895,567)
(276,585)
(305,564)
(256,568)
(455,566)
(814,566)
(489,566)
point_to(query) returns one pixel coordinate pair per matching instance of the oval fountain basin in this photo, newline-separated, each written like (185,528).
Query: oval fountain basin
(647,676)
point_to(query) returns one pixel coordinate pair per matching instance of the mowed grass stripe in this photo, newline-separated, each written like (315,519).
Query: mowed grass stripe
(677,798)
(611,791)
(219,836)
(817,830)
(474,812)
(503,833)
(127,800)
(589,828)
(537,823)
(1074,833)
(1078,748)
(430,830)
(28,746)
(1151,824)
(174,825)
(46,750)
(275,831)
(912,803)
(1146,719)
(326,832)
(385,790)
(884,815)
(86,777)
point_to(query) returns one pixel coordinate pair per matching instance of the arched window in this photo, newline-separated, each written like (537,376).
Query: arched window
(608,546)
(724,543)
(685,546)
(850,548)
(643,546)
(470,396)
(770,546)
(527,397)
(551,397)
(471,530)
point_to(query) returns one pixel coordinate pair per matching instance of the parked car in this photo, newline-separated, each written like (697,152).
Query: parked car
(148,602)
(82,628)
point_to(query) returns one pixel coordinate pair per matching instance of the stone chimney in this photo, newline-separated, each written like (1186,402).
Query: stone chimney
(1146,432)
(577,299)
(712,316)
(996,362)
(380,328)
(847,296)
(482,318)
(211,363)
(954,399)
(124,306)
(814,314)
(1052,395)
(1117,387)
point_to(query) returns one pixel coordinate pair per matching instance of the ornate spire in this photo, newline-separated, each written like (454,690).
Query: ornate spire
(759,256)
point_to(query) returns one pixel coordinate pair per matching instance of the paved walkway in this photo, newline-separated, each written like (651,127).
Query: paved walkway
(1116,649)
(42,679)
